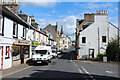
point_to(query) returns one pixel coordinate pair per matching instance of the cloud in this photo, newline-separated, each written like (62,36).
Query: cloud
(53,11)
(37,0)
(42,3)
(68,23)
(93,5)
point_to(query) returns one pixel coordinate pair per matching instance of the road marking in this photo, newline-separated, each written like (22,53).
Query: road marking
(88,73)
(15,72)
(85,70)
(110,72)
(77,67)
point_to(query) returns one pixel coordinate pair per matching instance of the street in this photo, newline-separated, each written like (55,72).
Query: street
(67,67)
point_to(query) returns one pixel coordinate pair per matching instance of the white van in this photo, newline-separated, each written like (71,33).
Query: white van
(42,54)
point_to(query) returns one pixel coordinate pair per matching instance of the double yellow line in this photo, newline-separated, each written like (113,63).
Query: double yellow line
(15,71)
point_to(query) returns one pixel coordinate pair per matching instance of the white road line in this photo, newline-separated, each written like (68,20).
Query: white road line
(85,70)
(110,72)
(77,67)
(88,73)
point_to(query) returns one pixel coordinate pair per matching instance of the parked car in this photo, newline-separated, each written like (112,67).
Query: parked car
(59,52)
(84,57)
(54,53)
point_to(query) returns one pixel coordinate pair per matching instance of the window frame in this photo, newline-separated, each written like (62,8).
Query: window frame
(2,25)
(7,52)
(15,26)
(24,32)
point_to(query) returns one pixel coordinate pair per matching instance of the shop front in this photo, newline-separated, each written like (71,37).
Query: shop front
(5,53)
(21,52)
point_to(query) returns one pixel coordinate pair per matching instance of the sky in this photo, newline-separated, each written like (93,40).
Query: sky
(66,13)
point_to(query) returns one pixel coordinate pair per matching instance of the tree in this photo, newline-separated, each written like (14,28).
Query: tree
(113,51)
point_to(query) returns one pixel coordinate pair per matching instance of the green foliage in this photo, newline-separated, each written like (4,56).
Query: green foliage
(100,57)
(113,51)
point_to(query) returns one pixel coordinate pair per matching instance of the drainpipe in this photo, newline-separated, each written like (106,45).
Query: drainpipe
(98,40)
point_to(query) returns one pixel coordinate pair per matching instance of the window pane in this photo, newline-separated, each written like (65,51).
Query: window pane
(103,38)
(83,39)
(26,51)
(15,29)
(16,52)
(1,20)
(7,55)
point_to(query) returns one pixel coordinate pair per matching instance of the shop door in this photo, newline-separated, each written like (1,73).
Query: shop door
(22,54)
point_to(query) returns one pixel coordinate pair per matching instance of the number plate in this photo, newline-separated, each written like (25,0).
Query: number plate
(39,62)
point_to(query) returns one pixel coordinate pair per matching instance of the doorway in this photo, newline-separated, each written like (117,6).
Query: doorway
(22,54)
(91,53)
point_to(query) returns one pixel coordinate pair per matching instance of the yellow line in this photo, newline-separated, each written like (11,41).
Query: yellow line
(15,72)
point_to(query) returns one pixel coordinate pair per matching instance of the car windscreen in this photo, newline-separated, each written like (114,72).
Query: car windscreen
(41,51)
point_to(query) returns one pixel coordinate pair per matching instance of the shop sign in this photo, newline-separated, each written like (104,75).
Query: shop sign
(36,43)
(21,42)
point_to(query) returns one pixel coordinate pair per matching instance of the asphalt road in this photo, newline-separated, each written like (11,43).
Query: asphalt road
(66,67)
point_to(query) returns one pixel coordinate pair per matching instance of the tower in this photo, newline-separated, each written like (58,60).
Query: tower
(61,32)
(56,29)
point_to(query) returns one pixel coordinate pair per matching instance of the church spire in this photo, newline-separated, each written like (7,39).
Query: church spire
(61,32)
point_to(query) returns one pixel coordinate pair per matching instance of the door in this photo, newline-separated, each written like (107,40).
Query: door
(22,54)
(1,57)
(91,53)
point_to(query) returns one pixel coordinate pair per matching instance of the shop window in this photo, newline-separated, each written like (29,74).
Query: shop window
(104,39)
(83,39)
(26,51)
(16,52)
(7,55)
(15,30)
(1,25)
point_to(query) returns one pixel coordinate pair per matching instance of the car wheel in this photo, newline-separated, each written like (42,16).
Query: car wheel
(49,61)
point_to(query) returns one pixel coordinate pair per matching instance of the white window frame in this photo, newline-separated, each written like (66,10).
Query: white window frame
(24,32)
(1,24)
(16,27)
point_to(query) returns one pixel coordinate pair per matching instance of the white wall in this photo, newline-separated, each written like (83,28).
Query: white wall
(37,36)
(8,28)
(7,63)
(91,34)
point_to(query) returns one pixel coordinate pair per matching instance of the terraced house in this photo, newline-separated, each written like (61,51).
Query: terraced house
(19,35)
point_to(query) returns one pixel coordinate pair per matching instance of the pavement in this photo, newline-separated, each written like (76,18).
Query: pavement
(64,67)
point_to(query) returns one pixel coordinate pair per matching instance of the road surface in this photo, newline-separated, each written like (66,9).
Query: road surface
(66,67)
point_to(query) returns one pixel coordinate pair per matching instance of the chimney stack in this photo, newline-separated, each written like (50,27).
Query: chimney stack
(102,12)
(12,5)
